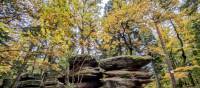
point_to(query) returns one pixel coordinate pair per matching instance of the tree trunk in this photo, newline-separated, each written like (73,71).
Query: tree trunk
(191,78)
(156,75)
(167,58)
(181,42)
(20,72)
(130,51)
(120,46)
(67,76)
(23,67)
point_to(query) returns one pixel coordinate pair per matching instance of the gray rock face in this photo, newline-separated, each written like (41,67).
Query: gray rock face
(114,72)
(86,72)
(117,82)
(35,81)
(124,62)
(125,72)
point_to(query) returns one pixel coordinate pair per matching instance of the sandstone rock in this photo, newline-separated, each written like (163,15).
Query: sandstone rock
(52,82)
(115,72)
(1,82)
(85,74)
(116,82)
(124,62)
(35,81)
(27,76)
(57,85)
(88,70)
(29,80)
(88,85)
(6,83)
(30,83)
(127,74)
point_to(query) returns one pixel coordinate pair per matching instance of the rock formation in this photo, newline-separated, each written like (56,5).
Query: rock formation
(115,72)
(86,72)
(35,81)
(125,72)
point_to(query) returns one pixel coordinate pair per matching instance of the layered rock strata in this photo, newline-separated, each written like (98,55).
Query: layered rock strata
(115,72)
(125,72)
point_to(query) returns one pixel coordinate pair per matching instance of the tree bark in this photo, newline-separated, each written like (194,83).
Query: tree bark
(167,58)
(181,42)
(20,72)
(23,67)
(156,75)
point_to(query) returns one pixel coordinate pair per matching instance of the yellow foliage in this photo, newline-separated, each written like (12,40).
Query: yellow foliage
(44,65)
(129,12)
(151,85)
(106,37)
(4,69)
(177,75)
(186,68)
(55,67)
(180,75)
(195,62)
(156,50)
(181,72)
(107,46)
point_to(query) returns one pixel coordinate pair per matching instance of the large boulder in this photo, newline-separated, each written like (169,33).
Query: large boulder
(115,72)
(6,83)
(35,81)
(128,74)
(117,82)
(124,62)
(51,81)
(29,80)
(88,85)
(84,72)
(125,71)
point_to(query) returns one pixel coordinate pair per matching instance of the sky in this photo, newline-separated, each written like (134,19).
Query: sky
(102,6)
